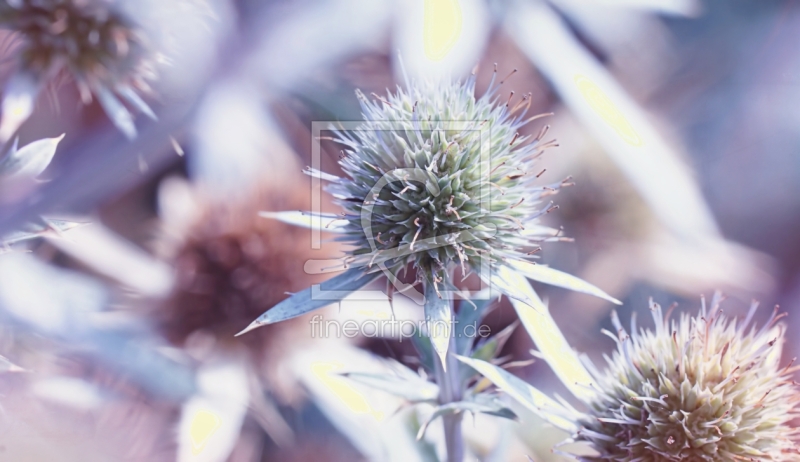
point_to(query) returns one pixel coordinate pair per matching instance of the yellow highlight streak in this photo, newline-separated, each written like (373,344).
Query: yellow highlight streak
(607,110)
(373,314)
(442,27)
(352,398)
(204,424)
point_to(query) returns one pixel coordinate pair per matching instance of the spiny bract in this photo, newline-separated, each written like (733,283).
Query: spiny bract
(438,177)
(703,388)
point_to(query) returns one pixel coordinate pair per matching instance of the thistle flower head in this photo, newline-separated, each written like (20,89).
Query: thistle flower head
(438,178)
(700,388)
(110,48)
(704,388)
(230,264)
(93,39)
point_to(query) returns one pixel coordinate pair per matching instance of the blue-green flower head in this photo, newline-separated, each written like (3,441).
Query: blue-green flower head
(437,178)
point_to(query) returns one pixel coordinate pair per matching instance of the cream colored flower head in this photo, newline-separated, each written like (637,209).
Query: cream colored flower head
(697,388)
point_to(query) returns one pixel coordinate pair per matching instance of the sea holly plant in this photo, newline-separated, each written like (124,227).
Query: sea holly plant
(443,183)
(472,396)
(696,388)
(105,46)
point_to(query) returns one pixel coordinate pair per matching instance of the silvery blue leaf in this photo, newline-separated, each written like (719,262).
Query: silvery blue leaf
(438,316)
(554,277)
(31,160)
(314,297)
(424,349)
(40,228)
(324,222)
(482,403)
(530,397)
(414,389)
(468,321)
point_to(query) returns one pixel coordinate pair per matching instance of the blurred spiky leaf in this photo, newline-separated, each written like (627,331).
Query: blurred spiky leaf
(30,160)
(7,366)
(404,383)
(616,120)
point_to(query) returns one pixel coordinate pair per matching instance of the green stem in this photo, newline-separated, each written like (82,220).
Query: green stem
(449,392)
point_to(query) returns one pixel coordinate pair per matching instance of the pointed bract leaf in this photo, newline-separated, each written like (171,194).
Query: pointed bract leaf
(30,160)
(7,366)
(489,403)
(41,227)
(468,321)
(314,297)
(489,348)
(554,277)
(425,350)
(498,283)
(438,317)
(415,389)
(549,339)
(530,397)
(307,220)
(314,173)
(62,226)
(478,404)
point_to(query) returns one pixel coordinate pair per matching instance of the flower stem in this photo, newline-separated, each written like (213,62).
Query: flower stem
(449,392)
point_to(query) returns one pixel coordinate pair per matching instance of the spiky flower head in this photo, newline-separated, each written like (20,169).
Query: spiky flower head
(439,178)
(230,264)
(110,48)
(92,38)
(703,388)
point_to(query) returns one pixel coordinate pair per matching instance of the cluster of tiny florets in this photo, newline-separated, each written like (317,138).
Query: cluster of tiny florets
(703,388)
(440,177)
(99,44)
